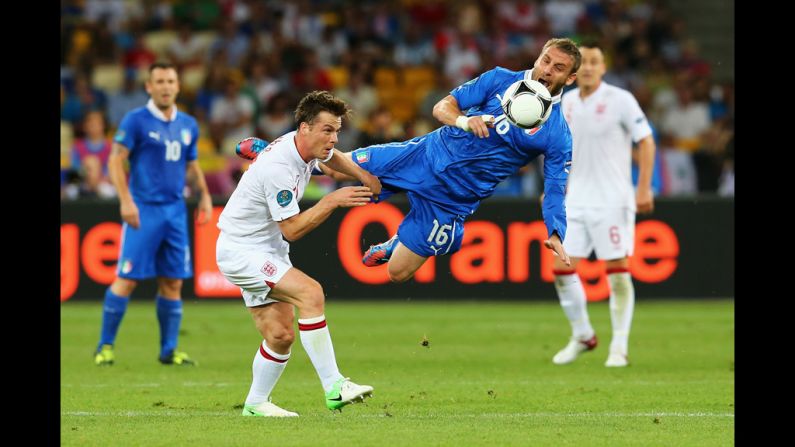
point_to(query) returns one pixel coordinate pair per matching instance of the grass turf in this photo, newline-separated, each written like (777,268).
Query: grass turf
(485,378)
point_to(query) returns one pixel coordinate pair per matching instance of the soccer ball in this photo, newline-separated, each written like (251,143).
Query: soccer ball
(527,103)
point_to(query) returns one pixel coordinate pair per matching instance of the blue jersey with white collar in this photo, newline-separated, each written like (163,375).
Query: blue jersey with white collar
(159,152)
(472,167)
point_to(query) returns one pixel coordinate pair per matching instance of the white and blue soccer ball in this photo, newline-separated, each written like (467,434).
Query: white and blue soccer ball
(527,103)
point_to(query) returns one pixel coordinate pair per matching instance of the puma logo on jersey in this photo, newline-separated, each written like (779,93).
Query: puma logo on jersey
(155,135)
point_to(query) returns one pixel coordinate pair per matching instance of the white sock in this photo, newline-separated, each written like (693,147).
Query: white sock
(622,305)
(572,299)
(317,343)
(268,367)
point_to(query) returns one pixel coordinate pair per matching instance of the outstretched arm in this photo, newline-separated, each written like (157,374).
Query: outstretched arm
(299,225)
(336,175)
(342,163)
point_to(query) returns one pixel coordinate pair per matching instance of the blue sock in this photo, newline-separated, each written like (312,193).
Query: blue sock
(112,314)
(169,314)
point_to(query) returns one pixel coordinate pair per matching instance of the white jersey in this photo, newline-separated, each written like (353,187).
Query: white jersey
(603,127)
(268,192)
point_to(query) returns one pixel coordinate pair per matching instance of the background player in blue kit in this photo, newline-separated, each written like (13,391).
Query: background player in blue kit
(447,172)
(160,143)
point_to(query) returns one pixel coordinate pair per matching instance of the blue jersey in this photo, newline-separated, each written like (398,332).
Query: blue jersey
(159,152)
(447,172)
(472,167)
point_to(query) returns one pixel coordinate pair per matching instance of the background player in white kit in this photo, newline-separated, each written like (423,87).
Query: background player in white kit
(253,253)
(601,203)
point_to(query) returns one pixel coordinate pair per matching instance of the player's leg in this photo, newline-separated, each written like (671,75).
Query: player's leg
(117,296)
(616,245)
(404,263)
(136,262)
(571,292)
(275,322)
(168,306)
(427,230)
(297,288)
(173,264)
(255,271)
(622,307)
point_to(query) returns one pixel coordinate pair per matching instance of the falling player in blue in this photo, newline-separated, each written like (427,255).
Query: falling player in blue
(160,143)
(447,172)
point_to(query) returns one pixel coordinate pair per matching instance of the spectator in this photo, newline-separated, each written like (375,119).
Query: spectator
(90,158)
(129,97)
(231,115)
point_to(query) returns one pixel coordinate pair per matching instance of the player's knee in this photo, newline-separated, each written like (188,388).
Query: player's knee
(169,287)
(123,286)
(312,296)
(280,337)
(398,276)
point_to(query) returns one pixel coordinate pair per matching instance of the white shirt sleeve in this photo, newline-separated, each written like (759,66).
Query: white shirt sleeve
(633,118)
(280,190)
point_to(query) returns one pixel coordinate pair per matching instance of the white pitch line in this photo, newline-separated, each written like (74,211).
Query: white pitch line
(410,416)
(150,385)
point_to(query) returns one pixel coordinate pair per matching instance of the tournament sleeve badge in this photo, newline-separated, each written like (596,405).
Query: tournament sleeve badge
(120,134)
(284,197)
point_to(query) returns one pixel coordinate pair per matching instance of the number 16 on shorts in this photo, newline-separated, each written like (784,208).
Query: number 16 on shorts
(439,237)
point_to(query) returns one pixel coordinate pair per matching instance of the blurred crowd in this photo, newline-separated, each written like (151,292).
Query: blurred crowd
(244,64)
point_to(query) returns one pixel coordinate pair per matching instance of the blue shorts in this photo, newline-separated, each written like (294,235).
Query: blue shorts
(160,246)
(432,227)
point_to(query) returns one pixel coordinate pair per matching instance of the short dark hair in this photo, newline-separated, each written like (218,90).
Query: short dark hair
(590,43)
(319,101)
(569,47)
(163,65)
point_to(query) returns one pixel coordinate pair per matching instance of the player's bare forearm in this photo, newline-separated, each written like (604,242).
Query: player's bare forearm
(447,111)
(644,196)
(301,224)
(336,175)
(205,200)
(344,164)
(118,155)
(646,149)
(198,177)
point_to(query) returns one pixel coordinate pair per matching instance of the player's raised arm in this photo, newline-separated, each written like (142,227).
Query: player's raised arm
(448,112)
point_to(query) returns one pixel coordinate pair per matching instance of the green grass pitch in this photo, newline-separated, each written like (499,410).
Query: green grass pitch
(485,378)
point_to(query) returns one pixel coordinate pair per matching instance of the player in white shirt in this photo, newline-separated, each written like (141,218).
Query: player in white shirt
(601,202)
(252,251)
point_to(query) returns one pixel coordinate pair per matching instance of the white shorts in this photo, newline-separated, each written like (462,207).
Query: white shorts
(254,269)
(608,231)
